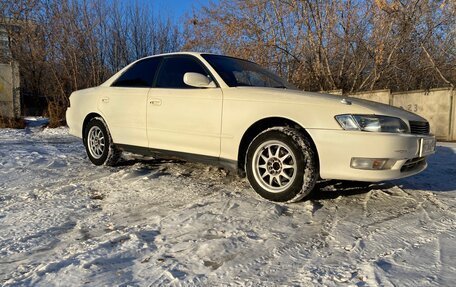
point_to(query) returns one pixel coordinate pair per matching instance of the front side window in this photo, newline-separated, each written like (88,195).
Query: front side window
(237,72)
(172,72)
(140,75)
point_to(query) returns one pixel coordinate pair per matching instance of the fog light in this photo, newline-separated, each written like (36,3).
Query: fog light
(372,163)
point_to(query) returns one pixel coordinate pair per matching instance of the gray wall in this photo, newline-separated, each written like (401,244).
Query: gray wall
(438,106)
(381,96)
(434,105)
(10,104)
(453,117)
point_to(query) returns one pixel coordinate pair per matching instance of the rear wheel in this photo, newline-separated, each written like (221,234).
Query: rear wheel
(98,143)
(281,165)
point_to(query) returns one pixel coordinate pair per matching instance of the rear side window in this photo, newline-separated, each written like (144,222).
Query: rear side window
(172,72)
(140,75)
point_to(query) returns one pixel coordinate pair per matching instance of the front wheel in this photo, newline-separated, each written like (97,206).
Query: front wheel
(281,165)
(98,143)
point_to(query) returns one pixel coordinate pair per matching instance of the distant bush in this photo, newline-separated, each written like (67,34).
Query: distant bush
(15,123)
(56,114)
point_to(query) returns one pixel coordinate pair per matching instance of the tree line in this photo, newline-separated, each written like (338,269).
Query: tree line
(352,45)
(67,45)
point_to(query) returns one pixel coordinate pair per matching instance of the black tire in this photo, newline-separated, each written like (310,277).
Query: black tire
(281,165)
(101,149)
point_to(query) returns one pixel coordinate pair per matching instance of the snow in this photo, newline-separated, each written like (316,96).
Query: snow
(66,222)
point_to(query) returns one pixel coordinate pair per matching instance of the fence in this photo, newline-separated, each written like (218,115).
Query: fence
(10,103)
(438,106)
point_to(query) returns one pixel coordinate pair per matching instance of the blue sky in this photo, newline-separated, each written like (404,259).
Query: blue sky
(179,8)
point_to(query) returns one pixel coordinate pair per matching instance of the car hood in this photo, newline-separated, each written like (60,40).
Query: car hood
(383,109)
(334,103)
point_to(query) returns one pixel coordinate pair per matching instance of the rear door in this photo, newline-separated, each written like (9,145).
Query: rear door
(124,105)
(183,118)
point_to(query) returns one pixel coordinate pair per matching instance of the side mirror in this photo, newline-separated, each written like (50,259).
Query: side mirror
(198,80)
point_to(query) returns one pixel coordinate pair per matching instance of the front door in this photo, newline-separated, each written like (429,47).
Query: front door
(182,118)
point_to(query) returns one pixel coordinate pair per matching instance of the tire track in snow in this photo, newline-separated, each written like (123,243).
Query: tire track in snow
(409,245)
(225,233)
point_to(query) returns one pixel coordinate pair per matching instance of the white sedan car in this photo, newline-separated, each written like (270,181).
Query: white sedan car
(234,113)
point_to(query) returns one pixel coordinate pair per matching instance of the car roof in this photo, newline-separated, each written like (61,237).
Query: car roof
(175,53)
(192,54)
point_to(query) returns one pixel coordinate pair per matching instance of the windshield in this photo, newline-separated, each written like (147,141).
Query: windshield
(236,72)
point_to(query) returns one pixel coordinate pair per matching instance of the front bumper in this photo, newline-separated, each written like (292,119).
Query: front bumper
(337,148)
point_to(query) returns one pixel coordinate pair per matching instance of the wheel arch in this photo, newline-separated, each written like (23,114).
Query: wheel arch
(264,124)
(111,154)
(87,120)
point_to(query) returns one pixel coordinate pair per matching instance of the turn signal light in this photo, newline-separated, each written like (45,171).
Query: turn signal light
(372,163)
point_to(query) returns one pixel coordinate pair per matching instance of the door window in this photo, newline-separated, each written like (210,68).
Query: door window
(140,75)
(172,72)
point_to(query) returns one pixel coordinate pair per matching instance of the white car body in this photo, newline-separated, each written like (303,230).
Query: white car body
(211,123)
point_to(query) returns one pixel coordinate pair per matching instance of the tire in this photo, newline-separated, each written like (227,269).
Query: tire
(281,165)
(98,143)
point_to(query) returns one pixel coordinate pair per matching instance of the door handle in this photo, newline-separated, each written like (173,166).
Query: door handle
(155,102)
(105,100)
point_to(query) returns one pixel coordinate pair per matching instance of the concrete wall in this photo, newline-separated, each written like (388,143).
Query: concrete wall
(435,105)
(333,92)
(453,116)
(438,106)
(9,90)
(381,96)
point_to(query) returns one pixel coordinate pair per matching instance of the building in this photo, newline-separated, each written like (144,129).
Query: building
(10,99)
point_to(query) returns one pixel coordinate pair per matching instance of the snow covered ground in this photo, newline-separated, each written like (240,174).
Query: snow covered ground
(64,221)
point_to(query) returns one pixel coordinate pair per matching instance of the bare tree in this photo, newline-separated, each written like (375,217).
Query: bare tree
(340,44)
(62,46)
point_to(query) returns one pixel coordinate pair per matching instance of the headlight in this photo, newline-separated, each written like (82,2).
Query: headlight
(372,123)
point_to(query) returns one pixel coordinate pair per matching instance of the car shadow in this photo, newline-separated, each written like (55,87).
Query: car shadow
(331,189)
(155,162)
(440,176)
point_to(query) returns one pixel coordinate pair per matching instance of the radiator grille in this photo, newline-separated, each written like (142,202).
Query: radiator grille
(419,128)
